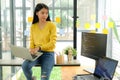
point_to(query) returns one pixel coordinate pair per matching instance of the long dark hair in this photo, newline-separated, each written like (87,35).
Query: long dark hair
(38,7)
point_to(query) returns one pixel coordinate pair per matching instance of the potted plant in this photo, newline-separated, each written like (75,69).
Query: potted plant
(70,52)
(66,51)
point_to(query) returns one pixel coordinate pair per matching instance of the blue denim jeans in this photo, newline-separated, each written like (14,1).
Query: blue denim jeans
(46,61)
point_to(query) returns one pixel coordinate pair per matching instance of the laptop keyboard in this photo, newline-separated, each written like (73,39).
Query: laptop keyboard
(82,78)
(86,78)
(33,56)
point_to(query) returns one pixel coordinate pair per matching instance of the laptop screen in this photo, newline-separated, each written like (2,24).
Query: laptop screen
(105,68)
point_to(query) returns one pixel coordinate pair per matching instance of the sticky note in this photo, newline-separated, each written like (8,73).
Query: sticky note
(93,17)
(58,19)
(105,31)
(93,31)
(87,25)
(104,17)
(110,24)
(77,23)
(30,19)
(97,25)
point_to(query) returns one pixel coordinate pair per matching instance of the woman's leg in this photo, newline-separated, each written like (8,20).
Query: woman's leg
(47,65)
(27,66)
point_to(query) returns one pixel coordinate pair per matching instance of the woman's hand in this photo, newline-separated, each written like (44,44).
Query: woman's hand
(34,50)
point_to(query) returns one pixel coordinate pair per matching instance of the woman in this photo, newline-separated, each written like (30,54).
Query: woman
(43,39)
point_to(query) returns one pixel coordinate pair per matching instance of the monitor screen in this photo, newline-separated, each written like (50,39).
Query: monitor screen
(93,45)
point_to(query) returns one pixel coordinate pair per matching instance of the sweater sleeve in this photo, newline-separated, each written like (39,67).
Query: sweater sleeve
(31,38)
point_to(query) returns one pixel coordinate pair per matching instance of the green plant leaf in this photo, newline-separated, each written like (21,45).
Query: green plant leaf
(74,51)
(115,30)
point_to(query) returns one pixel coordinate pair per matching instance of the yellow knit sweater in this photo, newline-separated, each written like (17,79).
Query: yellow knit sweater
(44,38)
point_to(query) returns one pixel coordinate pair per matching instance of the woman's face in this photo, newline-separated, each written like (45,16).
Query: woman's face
(42,14)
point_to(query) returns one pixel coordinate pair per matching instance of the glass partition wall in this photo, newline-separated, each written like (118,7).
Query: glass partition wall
(16,16)
(14,23)
(101,16)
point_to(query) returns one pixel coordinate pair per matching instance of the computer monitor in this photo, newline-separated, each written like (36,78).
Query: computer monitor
(93,45)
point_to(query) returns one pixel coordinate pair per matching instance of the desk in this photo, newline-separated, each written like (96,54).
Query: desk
(20,61)
(68,69)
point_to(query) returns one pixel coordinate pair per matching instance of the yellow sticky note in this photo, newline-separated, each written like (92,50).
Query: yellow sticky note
(93,31)
(110,24)
(58,19)
(105,31)
(30,19)
(77,23)
(93,17)
(87,25)
(97,25)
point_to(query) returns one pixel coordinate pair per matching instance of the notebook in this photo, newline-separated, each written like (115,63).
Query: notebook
(24,53)
(104,70)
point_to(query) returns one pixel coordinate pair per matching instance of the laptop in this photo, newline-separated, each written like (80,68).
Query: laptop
(104,70)
(24,53)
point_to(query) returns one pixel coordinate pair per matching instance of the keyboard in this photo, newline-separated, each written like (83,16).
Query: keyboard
(33,56)
(85,78)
